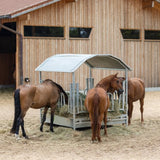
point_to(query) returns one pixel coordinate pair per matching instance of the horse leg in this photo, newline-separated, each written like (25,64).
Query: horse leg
(141,109)
(23,130)
(130,110)
(93,136)
(101,117)
(105,123)
(44,118)
(52,117)
(92,127)
(98,131)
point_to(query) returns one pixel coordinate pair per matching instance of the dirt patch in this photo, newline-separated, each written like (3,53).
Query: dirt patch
(134,142)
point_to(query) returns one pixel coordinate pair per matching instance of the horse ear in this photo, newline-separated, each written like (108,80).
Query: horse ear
(115,75)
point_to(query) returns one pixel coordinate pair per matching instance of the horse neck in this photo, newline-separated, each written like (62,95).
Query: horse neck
(105,83)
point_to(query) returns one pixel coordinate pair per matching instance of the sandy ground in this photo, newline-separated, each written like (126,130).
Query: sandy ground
(134,142)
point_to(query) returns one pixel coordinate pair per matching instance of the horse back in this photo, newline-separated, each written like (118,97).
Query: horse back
(136,89)
(46,94)
(97,96)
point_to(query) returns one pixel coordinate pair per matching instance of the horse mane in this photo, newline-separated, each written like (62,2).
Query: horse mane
(59,87)
(105,82)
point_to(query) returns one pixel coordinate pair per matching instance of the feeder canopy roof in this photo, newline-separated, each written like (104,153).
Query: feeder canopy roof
(71,62)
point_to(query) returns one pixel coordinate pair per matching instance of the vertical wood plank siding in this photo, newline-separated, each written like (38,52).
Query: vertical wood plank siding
(106,17)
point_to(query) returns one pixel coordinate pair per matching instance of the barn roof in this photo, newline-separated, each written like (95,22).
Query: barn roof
(14,8)
(71,62)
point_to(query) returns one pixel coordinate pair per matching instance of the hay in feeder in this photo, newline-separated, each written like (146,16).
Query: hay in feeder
(63,111)
(81,111)
(116,110)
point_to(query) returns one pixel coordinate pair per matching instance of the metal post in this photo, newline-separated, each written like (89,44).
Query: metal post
(40,77)
(74,113)
(126,91)
(90,76)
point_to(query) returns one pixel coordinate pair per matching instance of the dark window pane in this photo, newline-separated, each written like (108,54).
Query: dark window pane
(130,34)
(42,31)
(154,35)
(75,32)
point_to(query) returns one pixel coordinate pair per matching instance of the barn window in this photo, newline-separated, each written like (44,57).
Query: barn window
(130,33)
(152,35)
(77,32)
(43,31)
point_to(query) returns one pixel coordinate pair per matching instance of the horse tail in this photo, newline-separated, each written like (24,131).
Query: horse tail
(95,112)
(62,91)
(17,109)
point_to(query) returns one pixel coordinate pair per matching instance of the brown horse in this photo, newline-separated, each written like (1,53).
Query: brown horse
(136,91)
(45,95)
(97,104)
(111,83)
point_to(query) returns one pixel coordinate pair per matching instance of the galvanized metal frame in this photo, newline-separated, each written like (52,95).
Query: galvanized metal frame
(84,122)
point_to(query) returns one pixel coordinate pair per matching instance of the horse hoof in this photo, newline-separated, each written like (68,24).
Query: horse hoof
(51,130)
(41,129)
(12,131)
(17,137)
(26,137)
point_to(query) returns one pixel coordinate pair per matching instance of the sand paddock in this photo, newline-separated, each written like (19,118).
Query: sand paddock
(135,142)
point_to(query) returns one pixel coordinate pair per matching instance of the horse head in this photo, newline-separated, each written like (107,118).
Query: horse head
(117,83)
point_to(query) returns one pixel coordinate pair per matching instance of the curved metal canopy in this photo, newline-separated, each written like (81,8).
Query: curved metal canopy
(71,62)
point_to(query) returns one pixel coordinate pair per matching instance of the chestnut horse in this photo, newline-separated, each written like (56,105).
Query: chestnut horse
(97,104)
(45,95)
(111,83)
(136,91)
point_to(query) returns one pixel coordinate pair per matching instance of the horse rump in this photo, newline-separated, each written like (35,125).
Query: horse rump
(17,111)
(96,103)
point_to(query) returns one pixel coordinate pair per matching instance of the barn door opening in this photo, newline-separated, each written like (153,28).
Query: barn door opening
(7,55)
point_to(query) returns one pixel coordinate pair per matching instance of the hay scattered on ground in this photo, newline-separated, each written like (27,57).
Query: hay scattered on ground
(123,142)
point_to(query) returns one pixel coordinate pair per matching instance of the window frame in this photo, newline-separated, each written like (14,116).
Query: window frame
(150,39)
(131,39)
(45,37)
(79,38)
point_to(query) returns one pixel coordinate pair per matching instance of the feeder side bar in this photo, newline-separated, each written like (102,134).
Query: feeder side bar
(74,113)
(90,76)
(40,77)
(126,75)
(40,80)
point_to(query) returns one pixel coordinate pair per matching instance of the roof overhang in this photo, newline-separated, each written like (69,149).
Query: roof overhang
(71,62)
(22,11)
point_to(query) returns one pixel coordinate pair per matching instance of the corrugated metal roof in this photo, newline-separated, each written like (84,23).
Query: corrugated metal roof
(71,62)
(14,8)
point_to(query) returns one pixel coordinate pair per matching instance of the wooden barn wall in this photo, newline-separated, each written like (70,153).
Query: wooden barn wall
(106,17)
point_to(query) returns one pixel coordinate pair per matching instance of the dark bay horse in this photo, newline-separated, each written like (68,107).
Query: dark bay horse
(111,83)
(97,104)
(136,91)
(27,96)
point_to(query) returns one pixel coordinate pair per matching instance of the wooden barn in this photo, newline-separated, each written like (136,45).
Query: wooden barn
(33,30)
